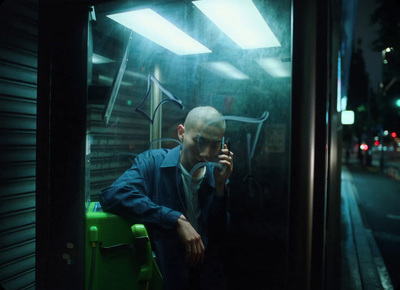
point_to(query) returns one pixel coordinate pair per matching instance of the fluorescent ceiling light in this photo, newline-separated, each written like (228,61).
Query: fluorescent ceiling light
(241,21)
(99,59)
(275,67)
(224,70)
(151,25)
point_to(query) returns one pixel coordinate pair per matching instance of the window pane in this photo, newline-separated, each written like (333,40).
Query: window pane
(145,79)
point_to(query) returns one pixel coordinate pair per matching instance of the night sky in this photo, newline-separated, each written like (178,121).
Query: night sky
(367,33)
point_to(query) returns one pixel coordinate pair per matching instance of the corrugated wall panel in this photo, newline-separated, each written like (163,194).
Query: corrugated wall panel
(114,147)
(15,89)
(18,90)
(14,203)
(10,71)
(10,138)
(18,235)
(18,154)
(13,273)
(22,281)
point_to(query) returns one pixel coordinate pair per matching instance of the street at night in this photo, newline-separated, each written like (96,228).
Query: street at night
(378,198)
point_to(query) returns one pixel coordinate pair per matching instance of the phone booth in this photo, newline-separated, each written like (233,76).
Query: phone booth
(116,78)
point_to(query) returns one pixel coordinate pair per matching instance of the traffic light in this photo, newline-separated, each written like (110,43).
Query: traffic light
(394,134)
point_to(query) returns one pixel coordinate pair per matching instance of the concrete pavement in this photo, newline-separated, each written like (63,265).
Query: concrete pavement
(363,266)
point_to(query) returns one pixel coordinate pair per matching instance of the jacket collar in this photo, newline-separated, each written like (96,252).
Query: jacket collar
(172,157)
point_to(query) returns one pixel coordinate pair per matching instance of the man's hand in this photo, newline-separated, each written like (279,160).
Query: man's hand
(191,239)
(222,176)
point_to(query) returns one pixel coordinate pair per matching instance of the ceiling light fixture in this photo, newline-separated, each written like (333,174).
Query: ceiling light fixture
(224,70)
(241,21)
(99,59)
(275,67)
(151,25)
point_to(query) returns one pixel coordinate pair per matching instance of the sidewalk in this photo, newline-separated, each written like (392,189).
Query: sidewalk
(362,266)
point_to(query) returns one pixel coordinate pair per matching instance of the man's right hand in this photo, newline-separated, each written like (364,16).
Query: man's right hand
(191,239)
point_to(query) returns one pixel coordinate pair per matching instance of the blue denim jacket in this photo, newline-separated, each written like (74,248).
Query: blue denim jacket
(151,192)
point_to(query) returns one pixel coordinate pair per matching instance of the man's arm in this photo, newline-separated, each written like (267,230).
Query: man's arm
(129,197)
(194,247)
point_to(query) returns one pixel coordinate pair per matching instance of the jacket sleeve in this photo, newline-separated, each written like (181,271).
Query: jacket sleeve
(129,196)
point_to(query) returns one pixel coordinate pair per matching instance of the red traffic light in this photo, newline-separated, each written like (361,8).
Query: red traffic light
(394,134)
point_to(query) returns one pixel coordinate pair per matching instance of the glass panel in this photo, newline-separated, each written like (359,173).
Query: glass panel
(142,88)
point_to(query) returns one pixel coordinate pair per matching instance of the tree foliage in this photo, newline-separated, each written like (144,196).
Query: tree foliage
(361,99)
(387,16)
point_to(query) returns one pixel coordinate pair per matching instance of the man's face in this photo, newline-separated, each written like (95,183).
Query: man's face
(201,144)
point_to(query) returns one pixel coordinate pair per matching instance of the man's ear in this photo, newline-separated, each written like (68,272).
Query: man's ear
(181,132)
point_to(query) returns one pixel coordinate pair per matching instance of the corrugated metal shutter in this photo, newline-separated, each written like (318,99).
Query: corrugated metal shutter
(113,147)
(18,79)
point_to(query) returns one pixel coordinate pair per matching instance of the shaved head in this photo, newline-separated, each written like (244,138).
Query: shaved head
(201,136)
(202,116)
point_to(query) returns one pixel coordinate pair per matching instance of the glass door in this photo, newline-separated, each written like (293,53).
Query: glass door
(152,62)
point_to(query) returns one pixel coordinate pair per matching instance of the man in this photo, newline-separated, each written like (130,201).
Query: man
(181,201)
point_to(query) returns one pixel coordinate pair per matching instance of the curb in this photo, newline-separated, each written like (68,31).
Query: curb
(362,264)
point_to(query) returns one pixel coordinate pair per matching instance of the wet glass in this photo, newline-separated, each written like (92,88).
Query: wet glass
(141,89)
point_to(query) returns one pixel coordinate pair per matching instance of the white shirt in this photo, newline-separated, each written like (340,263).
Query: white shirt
(191,187)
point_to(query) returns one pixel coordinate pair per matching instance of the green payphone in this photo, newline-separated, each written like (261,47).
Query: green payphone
(118,254)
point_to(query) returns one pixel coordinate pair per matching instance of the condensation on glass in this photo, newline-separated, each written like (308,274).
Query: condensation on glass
(144,79)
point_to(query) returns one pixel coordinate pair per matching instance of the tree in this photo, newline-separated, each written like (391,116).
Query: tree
(364,102)
(358,91)
(387,17)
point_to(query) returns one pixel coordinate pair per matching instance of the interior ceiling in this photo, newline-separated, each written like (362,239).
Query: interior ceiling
(109,36)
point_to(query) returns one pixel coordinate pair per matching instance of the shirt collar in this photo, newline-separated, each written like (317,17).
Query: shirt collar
(172,160)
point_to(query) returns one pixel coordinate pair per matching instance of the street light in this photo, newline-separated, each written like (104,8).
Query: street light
(385,54)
